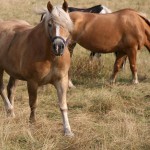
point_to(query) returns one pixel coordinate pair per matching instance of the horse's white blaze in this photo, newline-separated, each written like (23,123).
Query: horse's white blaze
(57,30)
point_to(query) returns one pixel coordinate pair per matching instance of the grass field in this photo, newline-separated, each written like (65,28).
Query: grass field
(102,117)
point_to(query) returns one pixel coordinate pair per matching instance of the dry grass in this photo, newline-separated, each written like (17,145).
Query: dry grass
(103,117)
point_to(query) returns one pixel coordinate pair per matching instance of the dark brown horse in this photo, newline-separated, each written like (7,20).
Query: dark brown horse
(38,55)
(124,32)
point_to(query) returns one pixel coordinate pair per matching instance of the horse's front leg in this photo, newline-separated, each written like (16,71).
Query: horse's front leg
(32,91)
(11,89)
(71,47)
(8,106)
(119,60)
(61,87)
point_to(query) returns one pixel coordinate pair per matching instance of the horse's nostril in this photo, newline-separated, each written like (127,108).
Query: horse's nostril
(58,47)
(61,46)
(54,46)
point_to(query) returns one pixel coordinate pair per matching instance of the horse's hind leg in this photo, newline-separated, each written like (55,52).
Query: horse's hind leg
(120,57)
(123,62)
(11,88)
(94,55)
(123,66)
(132,54)
(8,106)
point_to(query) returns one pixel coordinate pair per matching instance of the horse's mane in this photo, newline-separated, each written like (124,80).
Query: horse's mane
(58,15)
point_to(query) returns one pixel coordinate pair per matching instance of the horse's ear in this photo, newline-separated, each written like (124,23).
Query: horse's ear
(65,6)
(49,6)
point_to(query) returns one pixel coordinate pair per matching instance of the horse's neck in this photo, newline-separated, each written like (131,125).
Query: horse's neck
(79,26)
(39,34)
(40,41)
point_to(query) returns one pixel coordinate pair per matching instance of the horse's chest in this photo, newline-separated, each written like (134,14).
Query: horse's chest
(51,75)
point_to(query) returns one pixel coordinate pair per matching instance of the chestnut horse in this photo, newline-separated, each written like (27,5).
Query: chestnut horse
(99,9)
(124,32)
(38,55)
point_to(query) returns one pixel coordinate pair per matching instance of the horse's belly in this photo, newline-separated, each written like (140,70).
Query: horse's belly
(96,47)
(100,41)
(15,74)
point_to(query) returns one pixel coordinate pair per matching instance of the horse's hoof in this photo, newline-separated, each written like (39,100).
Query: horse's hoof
(69,133)
(71,86)
(112,82)
(10,112)
(32,121)
(135,82)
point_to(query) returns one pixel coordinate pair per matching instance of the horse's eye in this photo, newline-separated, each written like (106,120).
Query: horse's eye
(50,25)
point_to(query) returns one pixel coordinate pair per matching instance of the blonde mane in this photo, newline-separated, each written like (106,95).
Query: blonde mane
(59,16)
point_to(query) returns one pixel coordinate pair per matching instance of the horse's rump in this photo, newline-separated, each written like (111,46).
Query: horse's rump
(8,32)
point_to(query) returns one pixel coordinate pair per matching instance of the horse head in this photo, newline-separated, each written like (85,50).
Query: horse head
(58,25)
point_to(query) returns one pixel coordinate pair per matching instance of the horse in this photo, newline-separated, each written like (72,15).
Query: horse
(38,55)
(95,9)
(125,31)
(99,9)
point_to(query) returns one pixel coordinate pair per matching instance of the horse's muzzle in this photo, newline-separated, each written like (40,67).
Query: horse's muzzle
(58,46)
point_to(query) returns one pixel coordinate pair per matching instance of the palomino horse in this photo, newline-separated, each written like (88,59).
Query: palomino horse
(38,55)
(124,32)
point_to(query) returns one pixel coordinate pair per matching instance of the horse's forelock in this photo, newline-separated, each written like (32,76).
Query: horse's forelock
(58,15)
(62,18)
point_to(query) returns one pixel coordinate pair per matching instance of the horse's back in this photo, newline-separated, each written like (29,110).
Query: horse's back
(108,29)
(12,25)
(8,29)
(8,32)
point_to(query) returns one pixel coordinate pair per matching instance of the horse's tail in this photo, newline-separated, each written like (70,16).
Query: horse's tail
(147,30)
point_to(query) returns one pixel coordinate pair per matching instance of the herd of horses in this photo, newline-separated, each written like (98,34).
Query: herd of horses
(40,54)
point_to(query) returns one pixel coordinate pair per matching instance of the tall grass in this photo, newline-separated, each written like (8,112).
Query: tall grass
(103,117)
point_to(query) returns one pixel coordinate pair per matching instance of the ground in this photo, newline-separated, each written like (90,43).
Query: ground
(102,116)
